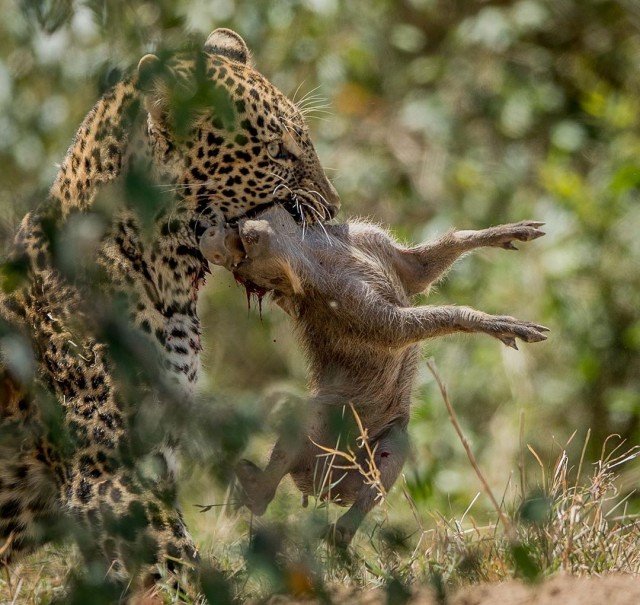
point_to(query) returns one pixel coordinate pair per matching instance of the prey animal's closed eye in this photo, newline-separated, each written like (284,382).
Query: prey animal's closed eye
(348,288)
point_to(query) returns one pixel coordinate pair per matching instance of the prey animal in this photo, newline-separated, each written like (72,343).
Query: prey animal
(348,288)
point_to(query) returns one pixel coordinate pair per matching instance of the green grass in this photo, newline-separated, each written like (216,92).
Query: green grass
(573,519)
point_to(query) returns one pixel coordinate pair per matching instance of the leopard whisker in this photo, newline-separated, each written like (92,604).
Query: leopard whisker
(325,108)
(277,176)
(320,108)
(317,118)
(180,185)
(301,214)
(312,94)
(321,218)
(293,124)
(311,100)
(309,94)
(322,198)
(324,203)
(283,185)
(179,188)
(321,116)
(284,121)
(293,98)
(216,211)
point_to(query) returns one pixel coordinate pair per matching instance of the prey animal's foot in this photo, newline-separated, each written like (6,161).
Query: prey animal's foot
(338,535)
(524,231)
(257,491)
(507,329)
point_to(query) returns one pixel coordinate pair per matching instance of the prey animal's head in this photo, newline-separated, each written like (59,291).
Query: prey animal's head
(264,251)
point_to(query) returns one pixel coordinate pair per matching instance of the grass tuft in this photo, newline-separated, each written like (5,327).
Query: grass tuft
(572,520)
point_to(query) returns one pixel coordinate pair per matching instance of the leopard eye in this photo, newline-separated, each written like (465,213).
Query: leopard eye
(276,151)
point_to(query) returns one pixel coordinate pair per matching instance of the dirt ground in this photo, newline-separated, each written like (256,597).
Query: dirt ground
(561,590)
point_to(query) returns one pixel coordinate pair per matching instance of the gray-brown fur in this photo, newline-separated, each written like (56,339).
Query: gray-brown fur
(348,288)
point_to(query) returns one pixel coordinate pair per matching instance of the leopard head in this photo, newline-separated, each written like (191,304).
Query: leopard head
(245,148)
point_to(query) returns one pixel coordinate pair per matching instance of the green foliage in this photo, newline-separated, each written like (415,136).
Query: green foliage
(143,196)
(215,587)
(13,274)
(524,563)
(50,15)
(439,114)
(535,509)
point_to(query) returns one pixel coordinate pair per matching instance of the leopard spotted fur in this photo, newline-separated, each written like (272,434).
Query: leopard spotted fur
(214,171)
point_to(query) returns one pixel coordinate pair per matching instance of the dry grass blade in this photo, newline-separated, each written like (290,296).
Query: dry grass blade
(371,474)
(467,448)
(7,544)
(539,461)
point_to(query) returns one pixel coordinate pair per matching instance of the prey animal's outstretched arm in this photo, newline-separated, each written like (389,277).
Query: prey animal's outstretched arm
(363,311)
(374,320)
(423,265)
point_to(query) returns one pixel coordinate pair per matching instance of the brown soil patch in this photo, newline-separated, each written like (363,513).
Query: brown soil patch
(561,590)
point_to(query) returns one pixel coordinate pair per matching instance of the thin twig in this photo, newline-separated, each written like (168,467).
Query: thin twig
(465,443)
(584,450)
(521,465)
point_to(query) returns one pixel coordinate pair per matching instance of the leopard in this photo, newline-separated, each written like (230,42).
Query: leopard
(349,289)
(67,428)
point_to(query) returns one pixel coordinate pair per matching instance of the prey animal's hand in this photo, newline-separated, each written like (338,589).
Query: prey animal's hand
(507,329)
(503,236)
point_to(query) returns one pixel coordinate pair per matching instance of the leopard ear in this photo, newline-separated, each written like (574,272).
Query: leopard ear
(226,42)
(152,77)
(149,68)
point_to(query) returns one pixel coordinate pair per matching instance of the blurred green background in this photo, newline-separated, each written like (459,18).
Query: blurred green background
(441,113)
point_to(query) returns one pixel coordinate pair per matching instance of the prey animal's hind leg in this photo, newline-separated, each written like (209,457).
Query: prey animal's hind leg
(259,486)
(390,453)
(294,452)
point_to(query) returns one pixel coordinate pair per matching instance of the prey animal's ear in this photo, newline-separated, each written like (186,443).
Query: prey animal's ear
(226,42)
(293,278)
